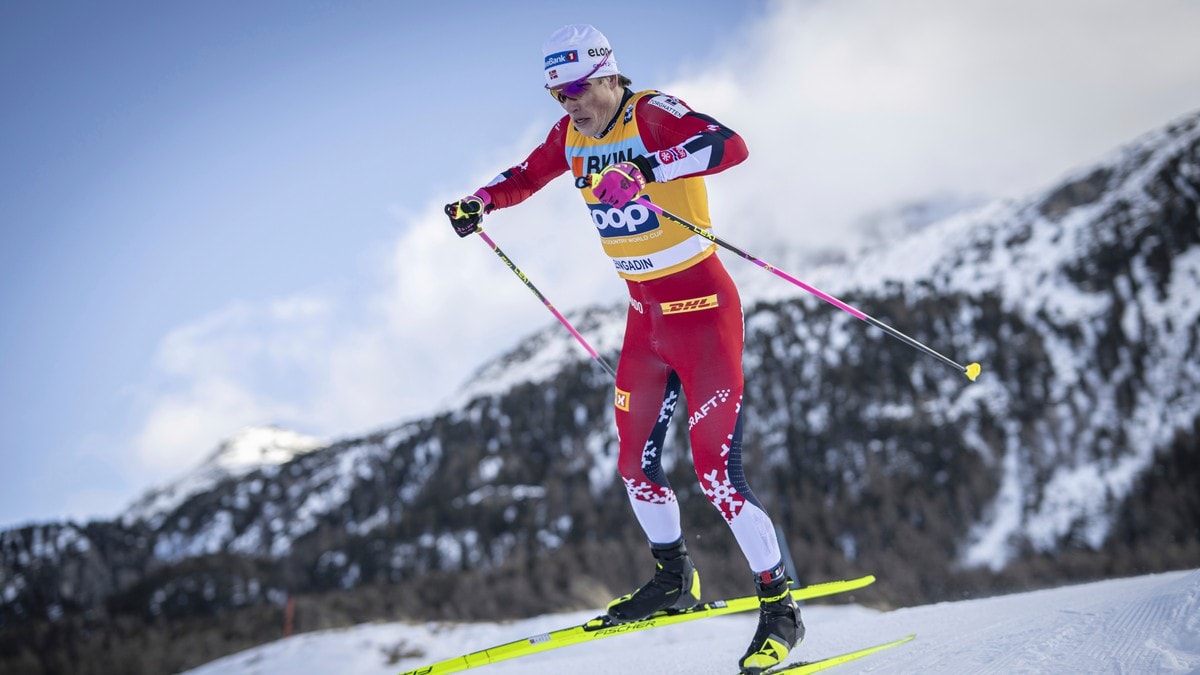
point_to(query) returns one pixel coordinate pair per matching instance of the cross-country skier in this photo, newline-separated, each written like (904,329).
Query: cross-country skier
(684,326)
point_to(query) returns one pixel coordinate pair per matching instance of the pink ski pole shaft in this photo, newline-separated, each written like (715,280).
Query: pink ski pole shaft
(561,319)
(971,370)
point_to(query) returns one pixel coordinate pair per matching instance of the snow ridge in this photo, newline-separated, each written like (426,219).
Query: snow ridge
(251,449)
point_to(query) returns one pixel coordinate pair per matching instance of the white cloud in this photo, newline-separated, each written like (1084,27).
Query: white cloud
(850,106)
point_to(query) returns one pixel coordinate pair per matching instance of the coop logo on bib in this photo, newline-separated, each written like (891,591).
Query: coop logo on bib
(633,218)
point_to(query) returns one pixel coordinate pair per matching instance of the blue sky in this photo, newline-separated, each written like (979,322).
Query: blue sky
(223,214)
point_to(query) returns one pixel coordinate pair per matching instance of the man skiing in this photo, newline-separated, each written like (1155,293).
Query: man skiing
(684,325)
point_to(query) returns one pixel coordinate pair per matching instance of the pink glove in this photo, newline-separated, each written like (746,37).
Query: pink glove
(618,184)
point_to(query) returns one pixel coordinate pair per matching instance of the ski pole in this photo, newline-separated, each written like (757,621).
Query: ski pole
(562,319)
(971,370)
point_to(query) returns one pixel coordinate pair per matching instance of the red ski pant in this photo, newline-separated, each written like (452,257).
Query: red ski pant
(686,330)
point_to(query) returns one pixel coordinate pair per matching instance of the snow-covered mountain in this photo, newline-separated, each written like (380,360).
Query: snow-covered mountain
(1099,279)
(1075,455)
(251,449)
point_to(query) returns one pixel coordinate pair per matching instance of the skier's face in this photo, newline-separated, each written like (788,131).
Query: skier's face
(592,110)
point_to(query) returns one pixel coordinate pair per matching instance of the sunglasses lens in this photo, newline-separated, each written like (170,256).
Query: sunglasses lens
(572,90)
(576,88)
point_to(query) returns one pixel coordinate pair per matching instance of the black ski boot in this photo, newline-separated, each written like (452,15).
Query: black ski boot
(675,586)
(779,626)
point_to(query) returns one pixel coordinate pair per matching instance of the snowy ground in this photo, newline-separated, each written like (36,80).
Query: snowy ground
(1147,624)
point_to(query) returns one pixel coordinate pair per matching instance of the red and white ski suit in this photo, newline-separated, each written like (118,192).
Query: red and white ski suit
(684,326)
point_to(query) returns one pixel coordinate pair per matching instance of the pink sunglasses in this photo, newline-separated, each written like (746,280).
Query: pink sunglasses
(578,87)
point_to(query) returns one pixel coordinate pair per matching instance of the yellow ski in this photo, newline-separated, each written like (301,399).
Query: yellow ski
(601,627)
(814,666)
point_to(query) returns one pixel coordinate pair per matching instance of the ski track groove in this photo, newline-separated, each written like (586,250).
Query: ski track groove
(1146,628)
(1001,659)
(1089,634)
(1124,640)
(1140,621)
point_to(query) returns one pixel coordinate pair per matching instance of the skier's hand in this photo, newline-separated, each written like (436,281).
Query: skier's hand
(466,213)
(618,184)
